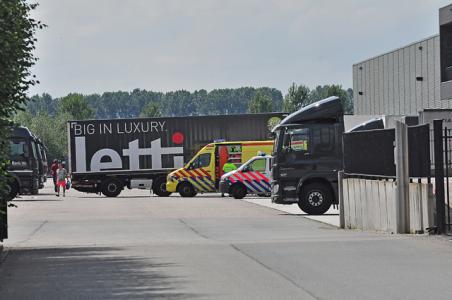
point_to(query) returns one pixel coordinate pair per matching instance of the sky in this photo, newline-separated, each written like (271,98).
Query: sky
(94,46)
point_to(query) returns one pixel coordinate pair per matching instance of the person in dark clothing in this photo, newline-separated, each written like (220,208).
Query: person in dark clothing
(53,172)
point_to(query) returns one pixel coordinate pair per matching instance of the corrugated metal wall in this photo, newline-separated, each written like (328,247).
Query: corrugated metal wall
(387,84)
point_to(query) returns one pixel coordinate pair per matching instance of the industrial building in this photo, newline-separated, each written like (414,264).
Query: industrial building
(407,80)
(401,82)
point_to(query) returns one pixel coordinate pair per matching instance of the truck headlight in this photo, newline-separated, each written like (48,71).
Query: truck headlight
(275,189)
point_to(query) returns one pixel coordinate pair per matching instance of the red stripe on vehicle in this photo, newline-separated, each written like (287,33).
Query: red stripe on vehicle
(198,173)
(246,176)
(262,176)
(204,172)
(186,173)
(237,177)
(252,174)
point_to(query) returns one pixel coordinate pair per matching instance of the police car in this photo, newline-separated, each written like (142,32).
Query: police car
(253,177)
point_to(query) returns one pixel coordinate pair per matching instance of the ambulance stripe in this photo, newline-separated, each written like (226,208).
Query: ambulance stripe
(196,184)
(209,186)
(205,172)
(205,180)
(199,174)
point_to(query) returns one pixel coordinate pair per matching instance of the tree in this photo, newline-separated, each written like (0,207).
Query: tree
(150,110)
(77,106)
(260,103)
(322,92)
(17,42)
(297,97)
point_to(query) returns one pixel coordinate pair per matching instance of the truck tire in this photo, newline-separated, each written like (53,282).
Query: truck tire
(238,191)
(111,187)
(185,189)
(315,198)
(159,187)
(12,189)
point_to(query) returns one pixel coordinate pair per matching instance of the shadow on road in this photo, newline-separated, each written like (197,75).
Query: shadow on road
(85,273)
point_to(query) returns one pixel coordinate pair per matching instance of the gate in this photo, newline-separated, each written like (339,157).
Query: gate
(442,140)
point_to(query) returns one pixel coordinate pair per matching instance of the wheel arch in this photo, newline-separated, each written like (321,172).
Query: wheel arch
(320,180)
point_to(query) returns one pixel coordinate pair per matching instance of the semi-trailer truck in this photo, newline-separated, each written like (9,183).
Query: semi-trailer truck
(308,155)
(107,155)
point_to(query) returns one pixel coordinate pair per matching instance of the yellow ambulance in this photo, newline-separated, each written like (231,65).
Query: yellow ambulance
(202,174)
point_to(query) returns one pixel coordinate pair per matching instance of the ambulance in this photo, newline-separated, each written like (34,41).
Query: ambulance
(203,172)
(253,177)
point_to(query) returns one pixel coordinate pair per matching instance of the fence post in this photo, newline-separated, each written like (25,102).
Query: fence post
(439,175)
(402,178)
(340,176)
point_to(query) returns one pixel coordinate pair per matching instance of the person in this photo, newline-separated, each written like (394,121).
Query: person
(53,172)
(228,167)
(61,179)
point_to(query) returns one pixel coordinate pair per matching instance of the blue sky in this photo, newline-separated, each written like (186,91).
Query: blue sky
(162,45)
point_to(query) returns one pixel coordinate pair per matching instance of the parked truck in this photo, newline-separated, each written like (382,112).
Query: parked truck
(308,155)
(107,155)
(24,167)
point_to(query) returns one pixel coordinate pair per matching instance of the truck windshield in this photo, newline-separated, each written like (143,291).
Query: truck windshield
(296,139)
(18,151)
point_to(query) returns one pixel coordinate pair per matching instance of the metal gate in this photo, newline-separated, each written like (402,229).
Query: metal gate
(442,144)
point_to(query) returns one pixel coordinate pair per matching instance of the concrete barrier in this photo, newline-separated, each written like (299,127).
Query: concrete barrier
(371,205)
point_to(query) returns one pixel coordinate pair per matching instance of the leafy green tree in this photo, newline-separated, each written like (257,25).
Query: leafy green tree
(297,97)
(77,106)
(260,103)
(346,96)
(150,110)
(17,42)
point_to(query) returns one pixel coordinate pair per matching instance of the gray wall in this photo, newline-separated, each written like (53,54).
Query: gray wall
(388,82)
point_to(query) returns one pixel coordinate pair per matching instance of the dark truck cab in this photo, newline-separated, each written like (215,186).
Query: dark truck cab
(307,156)
(24,163)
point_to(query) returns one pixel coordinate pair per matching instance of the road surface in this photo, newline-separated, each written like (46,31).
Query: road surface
(140,247)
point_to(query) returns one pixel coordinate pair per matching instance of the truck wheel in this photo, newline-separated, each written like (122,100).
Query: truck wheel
(12,189)
(185,189)
(238,191)
(111,187)
(159,187)
(315,198)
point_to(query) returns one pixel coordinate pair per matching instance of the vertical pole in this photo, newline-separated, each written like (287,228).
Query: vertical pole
(402,178)
(439,174)
(446,164)
(340,176)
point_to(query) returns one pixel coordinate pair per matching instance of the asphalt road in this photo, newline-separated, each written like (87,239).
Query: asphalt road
(136,246)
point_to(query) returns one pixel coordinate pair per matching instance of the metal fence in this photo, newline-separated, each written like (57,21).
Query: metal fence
(442,144)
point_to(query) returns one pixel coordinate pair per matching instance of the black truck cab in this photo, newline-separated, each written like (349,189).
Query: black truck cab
(307,156)
(24,163)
